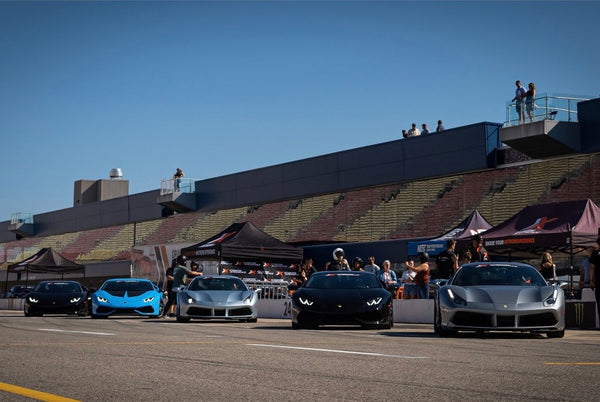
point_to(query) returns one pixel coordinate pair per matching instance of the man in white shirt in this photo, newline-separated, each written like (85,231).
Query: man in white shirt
(520,104)
(414,131)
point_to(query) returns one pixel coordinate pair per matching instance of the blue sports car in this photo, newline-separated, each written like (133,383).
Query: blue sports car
(127,296)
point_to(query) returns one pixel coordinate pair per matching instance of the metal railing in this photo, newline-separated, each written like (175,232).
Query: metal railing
(172,185)
(21,217)
(546,107)
(274,289)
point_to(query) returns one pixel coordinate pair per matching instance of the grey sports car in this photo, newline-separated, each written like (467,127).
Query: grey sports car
(499,296)
(220,297)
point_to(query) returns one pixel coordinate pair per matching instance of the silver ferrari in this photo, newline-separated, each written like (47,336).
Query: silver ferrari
(499,296)
(220,297)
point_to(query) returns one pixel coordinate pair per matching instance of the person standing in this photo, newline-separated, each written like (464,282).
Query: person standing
(177,178)
(421,280)
(340,263)
(424,129)
(387,277)
(478,252)
(169,308)
(181,273)
(446,262)
(310,268)
(530,101)
(371,266)
(546,267)
(440,127)
(520,97)
(414,131)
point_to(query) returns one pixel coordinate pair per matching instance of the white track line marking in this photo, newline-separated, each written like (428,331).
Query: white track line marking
(75,332)
(350,352)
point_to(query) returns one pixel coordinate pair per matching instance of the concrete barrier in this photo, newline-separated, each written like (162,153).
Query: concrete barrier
(11,304)
(405,311)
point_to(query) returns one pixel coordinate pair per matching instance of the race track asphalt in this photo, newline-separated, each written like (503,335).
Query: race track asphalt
(141,359)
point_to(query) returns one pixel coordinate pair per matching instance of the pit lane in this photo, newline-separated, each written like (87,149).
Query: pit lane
(152,359)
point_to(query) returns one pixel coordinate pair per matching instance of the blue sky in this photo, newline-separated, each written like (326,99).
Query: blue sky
(221,87)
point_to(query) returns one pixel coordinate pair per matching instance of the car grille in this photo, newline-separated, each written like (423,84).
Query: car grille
(481,320)
(106,310)
(538,320)
(207,312)
(467,319)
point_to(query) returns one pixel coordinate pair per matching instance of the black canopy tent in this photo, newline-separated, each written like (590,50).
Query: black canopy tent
(244,243)
(563,228)
(47,260)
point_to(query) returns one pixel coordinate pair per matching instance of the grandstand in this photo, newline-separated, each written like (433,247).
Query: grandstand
(406,188)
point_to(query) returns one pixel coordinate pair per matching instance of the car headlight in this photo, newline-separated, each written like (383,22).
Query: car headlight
(190,300)
(148,299)
(32,299)
(248,299)
(456,298)
(75,299)
(552,298)
(306,302)
(375,301)
(101,299)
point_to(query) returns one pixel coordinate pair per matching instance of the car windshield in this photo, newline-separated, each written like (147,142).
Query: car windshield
(498,275)
(344,280)
(127,286)
(216,283)
(58,287)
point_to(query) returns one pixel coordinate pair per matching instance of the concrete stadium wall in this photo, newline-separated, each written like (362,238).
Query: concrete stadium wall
(588,114)
(456,150)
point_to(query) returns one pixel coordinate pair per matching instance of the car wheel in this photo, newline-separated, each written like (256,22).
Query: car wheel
(555,334)
(182,319)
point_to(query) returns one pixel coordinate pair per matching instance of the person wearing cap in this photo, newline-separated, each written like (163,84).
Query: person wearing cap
(421,280)
(478,252)
(181,273)
(357,264)
(339,263)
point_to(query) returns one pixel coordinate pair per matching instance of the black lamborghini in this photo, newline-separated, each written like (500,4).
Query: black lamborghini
(342,298)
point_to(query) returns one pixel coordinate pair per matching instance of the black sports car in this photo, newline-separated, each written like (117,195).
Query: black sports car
(342,298)
(57,297)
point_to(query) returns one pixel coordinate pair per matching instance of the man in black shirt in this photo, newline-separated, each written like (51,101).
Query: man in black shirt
(478,252)
(446,262)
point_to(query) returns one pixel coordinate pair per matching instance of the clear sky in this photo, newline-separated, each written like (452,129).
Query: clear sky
(221,87)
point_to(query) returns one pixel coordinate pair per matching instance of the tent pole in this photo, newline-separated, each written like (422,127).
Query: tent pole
(571,260)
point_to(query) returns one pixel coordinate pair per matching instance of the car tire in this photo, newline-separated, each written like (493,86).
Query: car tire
(437,316)
(95,316)
(555,334)
(295,325)
(182,319)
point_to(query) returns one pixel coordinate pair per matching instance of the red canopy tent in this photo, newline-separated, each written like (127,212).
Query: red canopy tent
(565,228)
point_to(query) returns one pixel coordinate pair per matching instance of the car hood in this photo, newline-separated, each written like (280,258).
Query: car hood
(56,297)
(503,294)
(126,295)
(348,296)
(219,296)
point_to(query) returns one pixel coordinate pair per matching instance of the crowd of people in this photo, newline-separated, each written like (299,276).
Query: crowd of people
(414,131)
(414,280)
